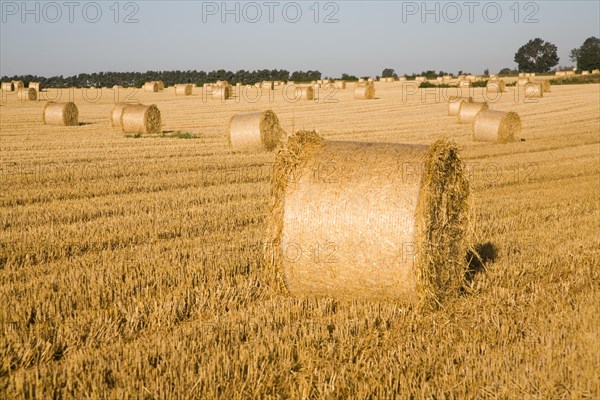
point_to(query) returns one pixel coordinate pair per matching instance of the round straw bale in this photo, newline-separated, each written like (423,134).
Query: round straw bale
(340,84)
(533,90)
(595,71)
(402,78)
(523,81)
(17,85)
(364,91)
(545,86)
(585,72)
(454,103)
(496,126)
(25,94)
(151,87)
(222,92)
(65,114)
(464,83)
(222,83)
(522,74)
(37,86)
(469,110)
(116,113)
(496,86)
(139,118)
(390,220)
(161,85)
(305,93)
(8,87)
(183,90)
(255,131)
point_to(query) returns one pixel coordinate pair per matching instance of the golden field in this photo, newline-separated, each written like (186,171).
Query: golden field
(131,267)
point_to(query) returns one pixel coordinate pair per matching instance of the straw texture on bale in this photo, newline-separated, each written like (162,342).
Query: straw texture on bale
(364,91)
(116,112)
(496,126)
(304,93)
(65,114)
(545,86)
(151,87)
(533,90)
(183,90)
(362,213)
(255,131)
(142,119)
(454,104)
(496,86)
(17,85)
(340,84)
(523,81)
(222,83)
(8,87)
(222,92)
(161,85)
(37,86)
(596,72)
(469,110)
(27,94)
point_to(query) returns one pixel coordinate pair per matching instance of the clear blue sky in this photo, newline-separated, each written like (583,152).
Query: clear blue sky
(367,37)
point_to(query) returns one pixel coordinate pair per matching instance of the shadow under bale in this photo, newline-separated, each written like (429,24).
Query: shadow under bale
(478,258)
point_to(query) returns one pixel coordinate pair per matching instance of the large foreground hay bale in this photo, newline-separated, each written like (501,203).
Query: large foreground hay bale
(533,90)
(496,126)
(381,231)
(117,112)
(183,89)
(65,114)
(469,110)
(304,93)
(222,92)
(364,91)
(454,103)
(37,86)
(255,131)
(151,87)
(496,86)
(142,119)
(27,94)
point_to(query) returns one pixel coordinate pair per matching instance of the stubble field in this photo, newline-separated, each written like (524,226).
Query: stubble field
(131,267)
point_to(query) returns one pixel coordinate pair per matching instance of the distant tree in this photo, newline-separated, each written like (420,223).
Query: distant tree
(588,55)
(486,72)
(350,78)
(389,73)
(536,56)
(507,71)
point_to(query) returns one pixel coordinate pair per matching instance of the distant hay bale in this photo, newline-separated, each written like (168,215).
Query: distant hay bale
(65,114)
(560,73)
(523,81)
(8,87)
(222,83)
(496,126)
(469,110)
(364,91)
(447,77)
(545,86)
(384,234)
(161,85)
(151,87)
(267,85)
(596,72)
(316,86)
(222,92)
(304,93)
(183,89)
(139,118)
(464,83)
(17,85)
(420,79)
(325,81)
(370,80)
(37,86)
(116,113)
(495,86)
(570,73)
(27,94)
(340,84)
(255,132)
(402,79)
(454,103)
(522,74)
(439,79)
(209,87)
(117,87)
(585,72)
(533,90)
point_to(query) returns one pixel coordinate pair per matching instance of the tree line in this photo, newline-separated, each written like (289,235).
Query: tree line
(169,78)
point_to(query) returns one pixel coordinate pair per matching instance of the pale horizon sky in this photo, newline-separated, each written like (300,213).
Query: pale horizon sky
(360,38)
